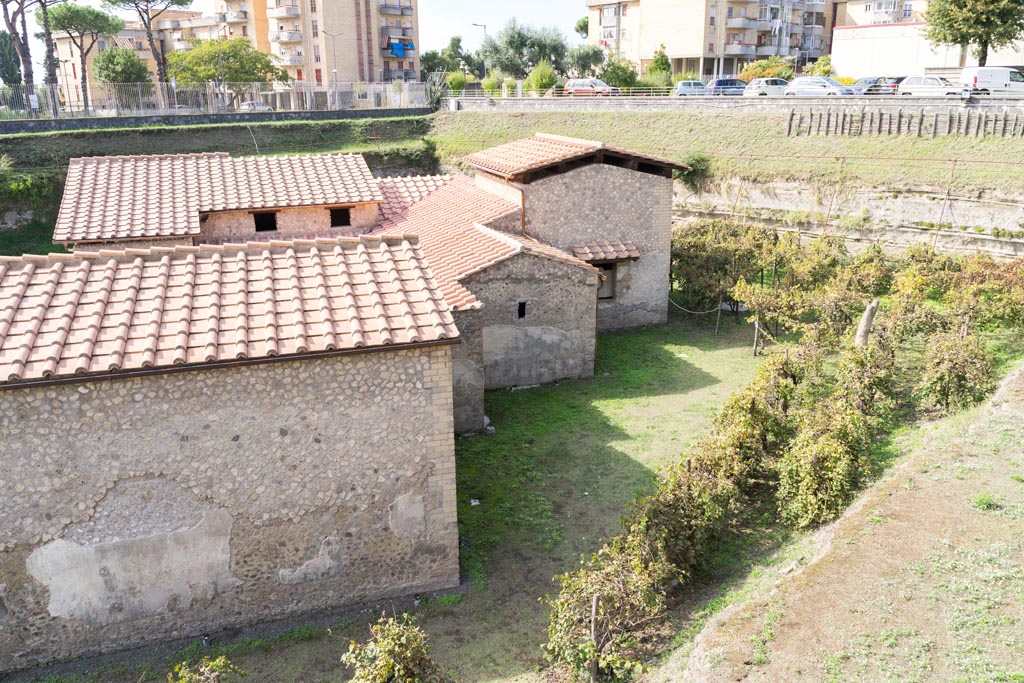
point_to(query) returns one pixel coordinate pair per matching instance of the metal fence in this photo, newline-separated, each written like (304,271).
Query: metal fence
(147,99)
(521,90)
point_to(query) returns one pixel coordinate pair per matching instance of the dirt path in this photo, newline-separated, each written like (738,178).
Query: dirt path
(922,580)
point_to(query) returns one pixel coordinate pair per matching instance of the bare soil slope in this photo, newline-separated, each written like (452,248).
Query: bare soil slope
(922,580)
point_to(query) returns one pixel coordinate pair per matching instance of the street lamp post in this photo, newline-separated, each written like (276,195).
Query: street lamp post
(484,27)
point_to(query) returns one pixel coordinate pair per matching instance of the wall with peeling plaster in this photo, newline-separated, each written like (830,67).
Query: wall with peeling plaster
(149,508)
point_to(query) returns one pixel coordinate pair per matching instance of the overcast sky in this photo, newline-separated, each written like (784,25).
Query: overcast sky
(442,19)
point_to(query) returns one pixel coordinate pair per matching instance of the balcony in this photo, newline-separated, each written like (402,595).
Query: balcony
(799,6)
(764,24)
(741,22)
(796,29)
(283,11)
(399,75)
(770,50)
(390,8)
(285,36)
(292,60)
(743,2)
(814,53)
(815,5)
(237,17)
(167,24)
(181,45)
(390,32)
(408,32)
(740,49)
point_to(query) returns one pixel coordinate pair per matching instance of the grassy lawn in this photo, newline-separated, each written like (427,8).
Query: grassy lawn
(552,483)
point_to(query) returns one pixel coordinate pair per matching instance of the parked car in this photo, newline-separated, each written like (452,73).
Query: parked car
(589,87)
(888,85)
(763,87)
(928,86)
(726,86)
(685,88)
(993,80)
(861,85)
(255,105)
(816,86)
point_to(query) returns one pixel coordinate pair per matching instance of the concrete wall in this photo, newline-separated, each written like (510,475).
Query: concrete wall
(149,508)
(45,125)
(556,339)
(134,244)
(602,202)
(299,220)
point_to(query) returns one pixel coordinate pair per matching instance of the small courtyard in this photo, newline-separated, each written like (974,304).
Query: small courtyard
(550,484)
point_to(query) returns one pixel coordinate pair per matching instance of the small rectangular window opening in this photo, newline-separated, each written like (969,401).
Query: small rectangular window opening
(522,310)
(607,288)
(265,221)
(341,218)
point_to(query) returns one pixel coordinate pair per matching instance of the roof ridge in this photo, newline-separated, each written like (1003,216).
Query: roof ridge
(572,141)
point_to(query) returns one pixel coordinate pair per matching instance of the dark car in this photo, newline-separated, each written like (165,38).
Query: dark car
(886,85)
(726,86)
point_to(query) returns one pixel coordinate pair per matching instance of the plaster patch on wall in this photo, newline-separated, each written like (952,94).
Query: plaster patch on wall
(407,517)
(145,561)
(326,563)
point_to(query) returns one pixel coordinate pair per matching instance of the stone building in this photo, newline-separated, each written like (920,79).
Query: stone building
(117,202)
(553,239)
(198,437)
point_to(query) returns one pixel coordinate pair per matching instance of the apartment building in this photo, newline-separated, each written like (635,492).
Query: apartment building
(711,37)
(889,37)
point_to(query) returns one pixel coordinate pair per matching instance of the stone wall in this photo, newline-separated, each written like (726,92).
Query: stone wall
(292,221)
(602,202)
(155,507)
(555,340)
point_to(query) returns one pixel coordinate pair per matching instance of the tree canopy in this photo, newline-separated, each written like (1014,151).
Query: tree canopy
(119,65)
(10,65)
(516,49)
(234,60)
(583,61)
(583,27)
(978,24)
(148,11)
(84,26)
(772,67)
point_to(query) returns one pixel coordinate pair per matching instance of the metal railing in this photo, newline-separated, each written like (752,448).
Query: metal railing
(513,91)
(149,99)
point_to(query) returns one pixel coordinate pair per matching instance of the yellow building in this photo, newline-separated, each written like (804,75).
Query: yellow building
(711,37)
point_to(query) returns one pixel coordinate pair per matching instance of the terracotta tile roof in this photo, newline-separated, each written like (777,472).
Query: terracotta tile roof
(543,150)
(450,224)
(605,251)
(401,192)
(85,314)
(129,197)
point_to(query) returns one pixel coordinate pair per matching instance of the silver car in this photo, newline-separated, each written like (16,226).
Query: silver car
(763,87)
(928,86)
(684,88)
(816,86)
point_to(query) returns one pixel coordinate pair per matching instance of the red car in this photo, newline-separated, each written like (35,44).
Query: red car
(589,87)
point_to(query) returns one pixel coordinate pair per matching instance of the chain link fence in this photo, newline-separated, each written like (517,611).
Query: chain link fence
(153,99)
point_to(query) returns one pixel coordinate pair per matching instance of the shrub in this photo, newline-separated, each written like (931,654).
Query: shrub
(820,471)
(772,67)
(206,671)
(688,76)
(656,79)
(456,81)
(620,73)
(846,80)
(629,574)
(958,373)
(492,84)
(396,653)
(542,77)
(699,173)
(822,67)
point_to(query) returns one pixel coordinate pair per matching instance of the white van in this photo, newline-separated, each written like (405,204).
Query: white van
(993,80)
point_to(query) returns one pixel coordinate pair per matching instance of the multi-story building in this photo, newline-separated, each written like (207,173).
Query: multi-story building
(889,37)
(711,37)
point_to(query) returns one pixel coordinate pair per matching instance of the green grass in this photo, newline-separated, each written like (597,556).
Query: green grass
(35,238)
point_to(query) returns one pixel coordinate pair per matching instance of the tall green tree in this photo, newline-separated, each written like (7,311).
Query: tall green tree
(50,48)
(516,49)
(120,65)
(84,26)
(583,61)
(233,63)
(979,24)
(431,61)
(14,12)
(661,63)
(582,27)
(149,11)
(10,67)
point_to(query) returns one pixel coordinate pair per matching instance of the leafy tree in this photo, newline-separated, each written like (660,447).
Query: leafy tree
(148,12)
(959,371)
(432,62)
(660,62)
(582,27)
(50,60)
(772,67)
(397,652)
(618,72)
(232,63)
(542,77)
(119,65)
(455,56)
(583,61)
(84,26)
(15,20)
(981,24)
(822,67)
(10,67)
(516,49)
(456,80)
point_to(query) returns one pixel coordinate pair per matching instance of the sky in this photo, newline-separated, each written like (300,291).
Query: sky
(442,19)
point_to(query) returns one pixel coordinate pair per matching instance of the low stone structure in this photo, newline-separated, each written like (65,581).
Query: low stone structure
(204,437)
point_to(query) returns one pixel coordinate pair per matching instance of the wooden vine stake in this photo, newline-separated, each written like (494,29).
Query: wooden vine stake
(593,637)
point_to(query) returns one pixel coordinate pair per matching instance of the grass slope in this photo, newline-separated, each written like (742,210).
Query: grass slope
(755,146)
